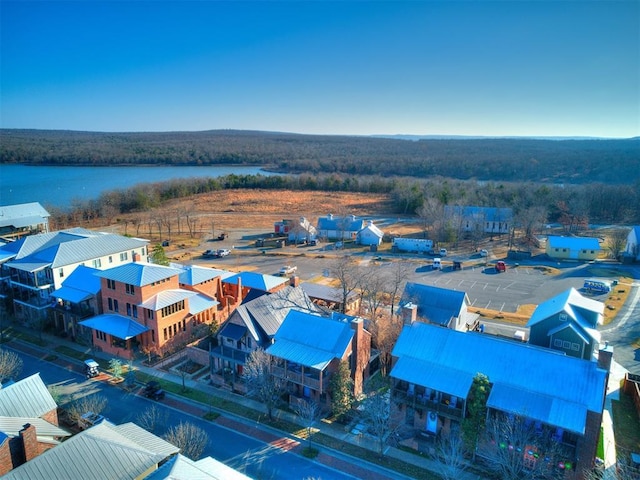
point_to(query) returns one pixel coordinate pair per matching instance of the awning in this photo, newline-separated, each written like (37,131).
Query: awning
(115,325)
(72,295)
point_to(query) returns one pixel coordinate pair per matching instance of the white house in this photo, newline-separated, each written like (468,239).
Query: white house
(369,235)
(632,248)
(302,231)
(339,228)
(23,219)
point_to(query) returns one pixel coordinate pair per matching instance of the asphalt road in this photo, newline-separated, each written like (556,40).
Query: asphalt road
(250,455)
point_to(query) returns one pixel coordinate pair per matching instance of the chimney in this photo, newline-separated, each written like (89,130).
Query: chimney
(330,216)
(6,463)
(294,281)
(136,257)
(29,442)
(605,357)
(409,313)
(361,351)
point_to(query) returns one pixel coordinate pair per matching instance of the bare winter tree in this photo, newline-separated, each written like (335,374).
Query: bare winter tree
(385,330)
(450,450)
(431,214)
(396,277)
(91,403)
(261,383)
(515,450)
(153,419)
(190,439)
(309,412)
(617,242)
(10,365)
(346,271)
(381,419)
(530,220)
(372,283)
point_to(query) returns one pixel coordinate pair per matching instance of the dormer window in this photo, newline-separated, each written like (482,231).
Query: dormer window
(563,317)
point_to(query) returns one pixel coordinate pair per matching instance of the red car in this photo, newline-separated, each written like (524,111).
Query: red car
(501,266)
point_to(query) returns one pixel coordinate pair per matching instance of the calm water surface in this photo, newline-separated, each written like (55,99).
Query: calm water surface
(60,185)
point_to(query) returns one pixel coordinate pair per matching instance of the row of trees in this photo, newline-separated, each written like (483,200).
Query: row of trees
(553,161)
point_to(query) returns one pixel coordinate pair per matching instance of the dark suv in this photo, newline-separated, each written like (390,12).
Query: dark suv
(152,390)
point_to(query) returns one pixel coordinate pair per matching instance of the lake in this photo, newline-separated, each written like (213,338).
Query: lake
(58,186)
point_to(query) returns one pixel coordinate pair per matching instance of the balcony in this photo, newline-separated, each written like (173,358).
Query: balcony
(442,404)
(74,309)
(231,354)
(311,379)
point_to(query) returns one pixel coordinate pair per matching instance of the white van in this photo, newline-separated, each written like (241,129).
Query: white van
(437,264)
(443,252)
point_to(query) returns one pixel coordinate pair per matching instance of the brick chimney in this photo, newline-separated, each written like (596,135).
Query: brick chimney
(409,313)
(361,351)
(29,442)
(294,281)
(605,357)
(6,463)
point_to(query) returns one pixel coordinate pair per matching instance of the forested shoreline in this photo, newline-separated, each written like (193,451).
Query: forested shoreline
(491,159)
(574,206)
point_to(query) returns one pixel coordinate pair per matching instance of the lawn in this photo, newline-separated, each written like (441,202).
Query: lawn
(626,426)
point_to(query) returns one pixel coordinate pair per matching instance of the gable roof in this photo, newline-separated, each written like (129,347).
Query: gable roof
(558,389)
(116,325)
(139,274)
(201,302)
(257,281)
(311,340)
(264,315)
(28,397)
(325,292)
(22,215)
(180,467)
(195,275)
(487,214)
(371,228)
(574,243)
(349,223)
(166,298)
(438,305)
(102,451)
(12,426)
(573,304)
(80,285)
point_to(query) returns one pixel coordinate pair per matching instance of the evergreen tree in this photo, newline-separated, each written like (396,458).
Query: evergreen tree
(341,390)
(474,422)
(159,256)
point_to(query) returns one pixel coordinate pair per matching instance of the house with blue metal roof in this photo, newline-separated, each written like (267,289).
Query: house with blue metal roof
(573,248)
(334,227)
(36,265)
(245,286)
(440,306)
(562,397)
(78,298)
(568,323)
(146,310)
(23,219)
(307,350)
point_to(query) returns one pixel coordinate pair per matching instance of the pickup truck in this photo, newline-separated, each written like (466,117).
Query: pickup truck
(288,270)
(152,390)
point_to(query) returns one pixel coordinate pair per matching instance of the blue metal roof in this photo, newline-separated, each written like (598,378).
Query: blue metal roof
(574,243)
(233,331)
(311,340)
(259,281)
(437,305)
(574,384)
(80,285)
(139,274)
(486,214)
(116,325)
(200,302)
(350,223)
(23,215)
(195,275)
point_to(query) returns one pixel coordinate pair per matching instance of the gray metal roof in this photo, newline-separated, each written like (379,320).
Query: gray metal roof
(195,275)
(264,315)
(28,397)
(349,223)
(116,325)
(486,214)
(12,426)
(311,340)
(139,274)
(180,467)
(22,215)
(585,311)
(200,302)
(438,305)
(573,383)
(166,298)
(325,292)
(104,451)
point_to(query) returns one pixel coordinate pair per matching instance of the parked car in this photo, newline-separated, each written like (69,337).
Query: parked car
(501,266)
(152,390)
(91,368)
(338,245)
(443,252)
(223,252)
(313,243)
(484,253)
(288,270)
(437,264)
(209,253)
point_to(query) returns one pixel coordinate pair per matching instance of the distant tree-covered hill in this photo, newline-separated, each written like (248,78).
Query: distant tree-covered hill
(504,159)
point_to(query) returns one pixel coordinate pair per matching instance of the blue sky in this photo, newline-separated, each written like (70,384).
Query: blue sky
(557,68)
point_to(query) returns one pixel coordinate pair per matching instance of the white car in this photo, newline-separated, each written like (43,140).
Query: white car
(437,264)
(288,270)
(443,252)
(484,253)
(223,252)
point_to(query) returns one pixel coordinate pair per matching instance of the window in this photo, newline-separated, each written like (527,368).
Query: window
(115,305)
(110,302)
(61,273)
(566,345)
(110,259)
(165,333)
(153,335)
(101,335)
(557,343)
(128,309)
(249,342)
(184,325)
(176,307)
(111,284)
(150,314)
(134,311)
(124,256)
(575,347)
(129,289)
(96,263)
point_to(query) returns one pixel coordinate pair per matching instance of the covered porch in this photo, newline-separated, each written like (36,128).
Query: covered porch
(115,334)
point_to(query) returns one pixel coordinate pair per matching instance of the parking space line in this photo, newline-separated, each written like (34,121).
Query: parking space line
(508,286)
(461,282)
(487,306)
(474,284)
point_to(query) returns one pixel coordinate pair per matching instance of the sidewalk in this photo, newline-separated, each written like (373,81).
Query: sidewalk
(327,456)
